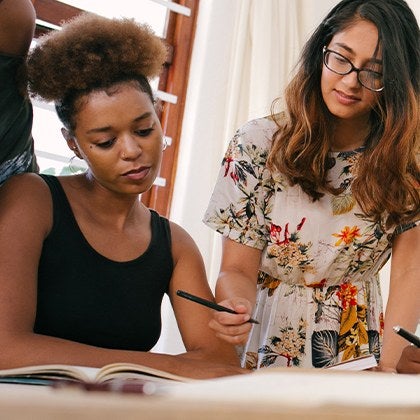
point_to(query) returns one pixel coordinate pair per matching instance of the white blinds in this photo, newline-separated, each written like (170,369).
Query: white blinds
(174,7)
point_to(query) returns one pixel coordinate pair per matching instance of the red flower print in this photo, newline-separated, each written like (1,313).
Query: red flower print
(286,234)
(347,295)
(299,226)
(275,233)
(381,323)
(228,161)
(234,176)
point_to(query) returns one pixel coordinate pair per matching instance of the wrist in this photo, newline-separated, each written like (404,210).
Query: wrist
(386,369)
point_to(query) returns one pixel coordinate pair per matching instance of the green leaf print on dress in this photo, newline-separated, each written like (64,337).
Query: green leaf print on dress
(289,344)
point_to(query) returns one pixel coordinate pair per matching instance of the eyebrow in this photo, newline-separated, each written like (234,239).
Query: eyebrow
(108,128)
(351,51)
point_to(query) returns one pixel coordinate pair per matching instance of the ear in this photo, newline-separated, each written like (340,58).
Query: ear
(71,142)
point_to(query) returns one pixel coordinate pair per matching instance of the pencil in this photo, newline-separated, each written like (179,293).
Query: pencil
(412,338)
(210,304)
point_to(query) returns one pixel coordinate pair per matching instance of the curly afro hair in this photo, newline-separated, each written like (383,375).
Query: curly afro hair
(92,52)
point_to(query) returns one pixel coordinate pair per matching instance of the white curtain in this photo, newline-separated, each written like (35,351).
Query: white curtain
(244,53)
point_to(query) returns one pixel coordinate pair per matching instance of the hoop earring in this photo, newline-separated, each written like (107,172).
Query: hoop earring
(76,169)
(72,168)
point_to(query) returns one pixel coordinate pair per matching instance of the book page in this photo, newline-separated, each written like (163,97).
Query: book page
(134,371)
(90,374)
(53,371)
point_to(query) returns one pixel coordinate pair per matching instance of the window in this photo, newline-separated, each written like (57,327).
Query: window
(172,21)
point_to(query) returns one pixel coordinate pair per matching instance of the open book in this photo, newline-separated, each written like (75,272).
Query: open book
(359,363)
(47,374)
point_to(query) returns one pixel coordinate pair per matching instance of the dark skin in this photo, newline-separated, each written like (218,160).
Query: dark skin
(106,205)
(120,138)
(17,25)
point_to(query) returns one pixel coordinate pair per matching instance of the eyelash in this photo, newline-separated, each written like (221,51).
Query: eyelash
(106,144)
(141,133)
(144,133)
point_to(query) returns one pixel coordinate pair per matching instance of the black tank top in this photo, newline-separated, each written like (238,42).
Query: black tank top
(85,297)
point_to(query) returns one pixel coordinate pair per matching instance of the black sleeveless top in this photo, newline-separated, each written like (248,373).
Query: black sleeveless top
(85,297)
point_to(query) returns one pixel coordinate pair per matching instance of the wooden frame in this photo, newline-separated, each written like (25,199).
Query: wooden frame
(173,79)
(180,35)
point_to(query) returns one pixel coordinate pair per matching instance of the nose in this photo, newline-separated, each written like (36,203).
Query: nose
(351,79)
(130,148)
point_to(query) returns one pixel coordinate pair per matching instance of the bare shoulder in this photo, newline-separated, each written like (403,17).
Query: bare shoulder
(28,183)
(26,195)
(182,242)
(180,236)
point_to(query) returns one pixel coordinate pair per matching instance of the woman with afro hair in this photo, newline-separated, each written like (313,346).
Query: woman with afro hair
(84,265)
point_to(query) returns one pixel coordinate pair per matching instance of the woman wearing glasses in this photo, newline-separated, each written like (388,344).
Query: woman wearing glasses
(312,201)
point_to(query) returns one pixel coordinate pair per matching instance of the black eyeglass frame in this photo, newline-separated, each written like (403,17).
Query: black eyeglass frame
(325,51)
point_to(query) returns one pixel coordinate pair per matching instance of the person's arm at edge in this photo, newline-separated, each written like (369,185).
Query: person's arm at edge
(17,26)
(404,293)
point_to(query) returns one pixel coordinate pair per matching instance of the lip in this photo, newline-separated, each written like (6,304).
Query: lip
(137,174)
(346,99)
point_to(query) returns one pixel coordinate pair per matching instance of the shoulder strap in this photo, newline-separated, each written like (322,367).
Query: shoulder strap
(61,205)
(161,225)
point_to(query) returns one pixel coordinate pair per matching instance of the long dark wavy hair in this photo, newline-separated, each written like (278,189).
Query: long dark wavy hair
(386,185)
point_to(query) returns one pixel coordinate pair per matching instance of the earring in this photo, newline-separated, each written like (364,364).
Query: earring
(73,169)
(165,144)
(76,151)
(78,167)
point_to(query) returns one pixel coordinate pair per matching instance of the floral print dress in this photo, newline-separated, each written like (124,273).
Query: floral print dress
(318,292)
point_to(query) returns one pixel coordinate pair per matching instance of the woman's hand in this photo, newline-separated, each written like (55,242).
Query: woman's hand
(233,328)
(410,360)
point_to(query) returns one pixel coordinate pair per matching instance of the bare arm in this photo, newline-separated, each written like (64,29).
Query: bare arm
(17,25)
(236,289)
(189,275)
(25,220)
(403,307)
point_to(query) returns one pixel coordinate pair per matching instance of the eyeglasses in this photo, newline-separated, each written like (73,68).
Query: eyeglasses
(337,63)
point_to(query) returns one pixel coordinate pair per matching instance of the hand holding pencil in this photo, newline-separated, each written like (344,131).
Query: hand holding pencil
(410,358)
(410,337)
(210,304)
(231,320)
